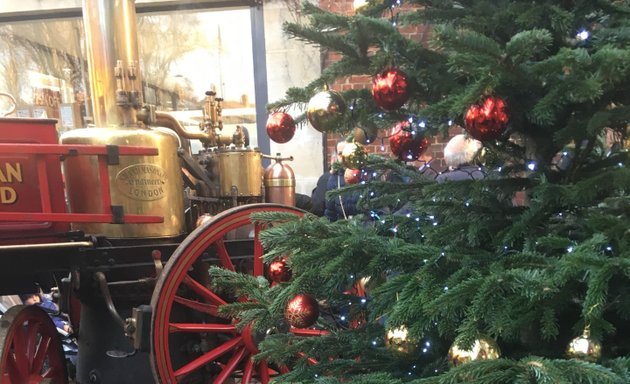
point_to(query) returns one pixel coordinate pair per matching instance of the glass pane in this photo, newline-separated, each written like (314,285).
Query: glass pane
(183,55)
(40,66)
(186,53)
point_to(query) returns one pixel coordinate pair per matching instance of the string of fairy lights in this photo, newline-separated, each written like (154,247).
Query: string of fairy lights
(419,126)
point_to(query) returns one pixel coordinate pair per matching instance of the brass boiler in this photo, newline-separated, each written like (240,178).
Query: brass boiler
(279,180)
(239,171)
(142,185)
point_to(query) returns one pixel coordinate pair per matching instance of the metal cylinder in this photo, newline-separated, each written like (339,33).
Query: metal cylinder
(239,170)
(111,41)
(279,183)
(142,185)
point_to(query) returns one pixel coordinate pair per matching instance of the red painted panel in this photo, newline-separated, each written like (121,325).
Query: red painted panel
(21,185)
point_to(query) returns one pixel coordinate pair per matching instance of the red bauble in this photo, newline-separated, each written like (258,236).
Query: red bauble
(487,120)
(351,176)
(280,127)
(390,89)
(302,311)
(278,271)
(407,145)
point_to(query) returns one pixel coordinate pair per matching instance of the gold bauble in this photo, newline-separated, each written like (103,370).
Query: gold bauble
(484,348)
(365,133)
(353,156)
(325,111)
(398,339)
(584,348)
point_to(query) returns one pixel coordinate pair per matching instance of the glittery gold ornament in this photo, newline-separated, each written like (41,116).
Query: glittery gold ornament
(365,133)
(484,348)
(584,348)
(353,156)
(398,339)
(325,111)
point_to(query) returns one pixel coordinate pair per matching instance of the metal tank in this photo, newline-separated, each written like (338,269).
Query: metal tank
(141,185)
(239,171)
(279,180)
(146,185)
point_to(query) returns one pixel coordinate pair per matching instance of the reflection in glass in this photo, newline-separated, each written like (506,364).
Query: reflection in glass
(183,55)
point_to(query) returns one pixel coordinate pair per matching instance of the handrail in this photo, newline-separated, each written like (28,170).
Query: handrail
(107,155)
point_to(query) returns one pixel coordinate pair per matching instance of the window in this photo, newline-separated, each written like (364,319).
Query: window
(183,54)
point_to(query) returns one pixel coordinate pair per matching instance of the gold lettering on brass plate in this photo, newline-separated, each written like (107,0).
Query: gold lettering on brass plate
(142,182)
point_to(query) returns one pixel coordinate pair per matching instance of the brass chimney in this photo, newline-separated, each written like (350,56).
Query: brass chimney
(140,185)
(112,54)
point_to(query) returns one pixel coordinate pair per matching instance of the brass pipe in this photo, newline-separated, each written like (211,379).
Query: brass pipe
(277,157)
(30,247)
(113,61)
(167,120)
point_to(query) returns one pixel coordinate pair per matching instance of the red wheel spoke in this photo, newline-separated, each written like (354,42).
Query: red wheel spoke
(31,332)
(249,371)
(197,306)
(202,291)
(224,257)
(174,311)
(230,366)
(13,371)
(50,373)
(309,332)
(208,357)
(40,356)
(210,328)
(31,348)
(263,371)
(258,252)
(20,349)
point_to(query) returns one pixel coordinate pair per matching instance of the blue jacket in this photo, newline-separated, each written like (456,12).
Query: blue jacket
(333,210)
(53,311)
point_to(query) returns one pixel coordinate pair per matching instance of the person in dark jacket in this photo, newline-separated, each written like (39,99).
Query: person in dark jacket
(459,154)
(343,206)
(318,196)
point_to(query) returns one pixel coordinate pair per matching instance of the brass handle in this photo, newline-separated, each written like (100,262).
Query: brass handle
(277,157)
(12,109)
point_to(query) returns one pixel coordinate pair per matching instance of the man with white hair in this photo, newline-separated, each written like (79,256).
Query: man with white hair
(459,154)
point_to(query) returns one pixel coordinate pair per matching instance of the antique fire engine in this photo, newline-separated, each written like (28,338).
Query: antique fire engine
(110,216)
(224,174)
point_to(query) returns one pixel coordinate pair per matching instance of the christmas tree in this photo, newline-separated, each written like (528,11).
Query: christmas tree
(459,282)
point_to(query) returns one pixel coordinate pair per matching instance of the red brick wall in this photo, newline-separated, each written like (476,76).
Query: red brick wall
(420,33)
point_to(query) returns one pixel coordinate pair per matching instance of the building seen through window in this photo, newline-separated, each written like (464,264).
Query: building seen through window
(183,54)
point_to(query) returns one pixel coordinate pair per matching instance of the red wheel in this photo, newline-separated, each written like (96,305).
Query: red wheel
(190,343)
(31,348)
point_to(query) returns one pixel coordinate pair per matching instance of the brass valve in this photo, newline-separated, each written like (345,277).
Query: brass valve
(212,109)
